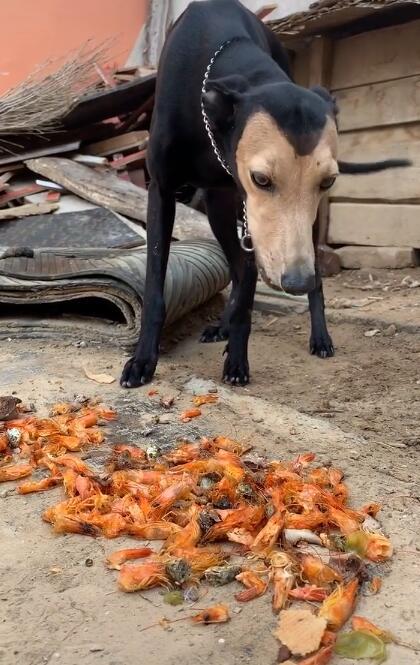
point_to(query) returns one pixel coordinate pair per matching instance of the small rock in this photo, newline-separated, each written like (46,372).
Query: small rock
(258,419)
(95,649)
(198,386)
(354,454)
(390,331)
(372,333)
(165,419)
(221,641)
(238,610)
(89,563)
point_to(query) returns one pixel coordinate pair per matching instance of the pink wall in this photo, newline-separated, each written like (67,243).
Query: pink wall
(35,31)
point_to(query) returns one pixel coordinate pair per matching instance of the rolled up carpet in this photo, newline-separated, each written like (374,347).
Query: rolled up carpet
(98,294)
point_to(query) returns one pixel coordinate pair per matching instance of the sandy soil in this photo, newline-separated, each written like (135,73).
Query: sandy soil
(359,410)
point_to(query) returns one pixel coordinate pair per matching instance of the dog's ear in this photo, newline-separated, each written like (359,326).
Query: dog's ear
(221,98)
(327,97)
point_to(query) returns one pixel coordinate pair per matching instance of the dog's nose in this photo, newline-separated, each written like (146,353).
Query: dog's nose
(298,281)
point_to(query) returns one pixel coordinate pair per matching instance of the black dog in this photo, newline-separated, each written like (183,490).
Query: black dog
(229,119)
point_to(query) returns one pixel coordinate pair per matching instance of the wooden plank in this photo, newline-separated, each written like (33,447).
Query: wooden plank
(382,143)
(320,61)
(300,67)
(378,105)
(120,143)
(39,152)
(110,191)
(27,210)
(265,10)
(395,185)
(374,224)
(378,55)
(20,193)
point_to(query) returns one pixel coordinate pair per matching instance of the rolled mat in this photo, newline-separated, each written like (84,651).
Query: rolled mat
(97,295)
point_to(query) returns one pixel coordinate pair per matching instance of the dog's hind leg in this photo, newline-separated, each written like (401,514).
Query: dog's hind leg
(320,343)
(221,208)
(160,220)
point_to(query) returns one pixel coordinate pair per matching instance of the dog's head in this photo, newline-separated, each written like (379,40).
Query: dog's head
(281,142)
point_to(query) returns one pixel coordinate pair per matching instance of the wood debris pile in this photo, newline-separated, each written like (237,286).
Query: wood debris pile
(224,514)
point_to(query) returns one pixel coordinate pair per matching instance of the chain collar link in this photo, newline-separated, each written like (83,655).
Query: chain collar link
(246,240)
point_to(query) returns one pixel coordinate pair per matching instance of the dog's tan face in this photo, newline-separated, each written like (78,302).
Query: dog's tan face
(283,191)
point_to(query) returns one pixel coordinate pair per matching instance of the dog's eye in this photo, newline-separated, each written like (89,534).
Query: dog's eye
(327,183)
(261,180)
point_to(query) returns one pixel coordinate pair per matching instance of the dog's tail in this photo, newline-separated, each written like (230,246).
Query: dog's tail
(371,167)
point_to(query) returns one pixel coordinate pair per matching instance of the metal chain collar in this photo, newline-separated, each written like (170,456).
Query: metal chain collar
(246,240)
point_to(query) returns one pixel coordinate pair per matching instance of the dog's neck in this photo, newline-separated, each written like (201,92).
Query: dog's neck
(246,58)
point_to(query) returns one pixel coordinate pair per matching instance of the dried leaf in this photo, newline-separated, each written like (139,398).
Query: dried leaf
(358,645)
(300,630)
(99,378)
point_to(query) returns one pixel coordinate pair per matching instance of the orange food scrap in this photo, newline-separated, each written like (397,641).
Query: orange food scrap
(366,626)
(188,415)
(115,560)
(15,472)
(200,400)
(255,586)
(339,605)
(142,576)
(215,614)
(39,486)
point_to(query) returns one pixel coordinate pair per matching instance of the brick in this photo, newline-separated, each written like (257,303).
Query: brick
(354,257)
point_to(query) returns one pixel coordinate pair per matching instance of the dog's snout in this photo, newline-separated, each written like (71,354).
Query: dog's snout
(298,281)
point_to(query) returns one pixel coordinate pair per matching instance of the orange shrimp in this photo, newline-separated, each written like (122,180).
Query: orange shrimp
(200,558)
(72,443)
(200,400)
(189,414)
(339,605)
(268,536)
(111,525)
(255,586)
(115,560)
(241,536)
(215,614)
(187,452)
(373,546)
(345,523)
(283,581)
(232,446)
(321,657)
(249,517)
(67,524)
(302,461)
(142,576)
(317,572)
(169,496)
(231,464)
(371,509)
(153,530)
(366,626)
(375,585)
(83,422)
(309,593)
(85,487)
(188,537)
(311,520)
(75,463)
(15,472)
(329,638)
(133,451)
(4,443)
(39,486)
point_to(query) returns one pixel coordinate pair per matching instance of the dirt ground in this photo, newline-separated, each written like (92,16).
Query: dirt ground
(359,411)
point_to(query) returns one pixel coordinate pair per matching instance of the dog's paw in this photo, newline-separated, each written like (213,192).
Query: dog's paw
(137,372)
(322,346)
(236,372)
(215,333)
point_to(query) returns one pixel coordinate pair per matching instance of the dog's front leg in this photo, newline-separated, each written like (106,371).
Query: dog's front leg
(320,343)
(160,220)
(236,368)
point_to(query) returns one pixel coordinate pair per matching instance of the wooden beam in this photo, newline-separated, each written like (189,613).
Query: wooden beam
(110,191)
(265,10)
(27,210)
